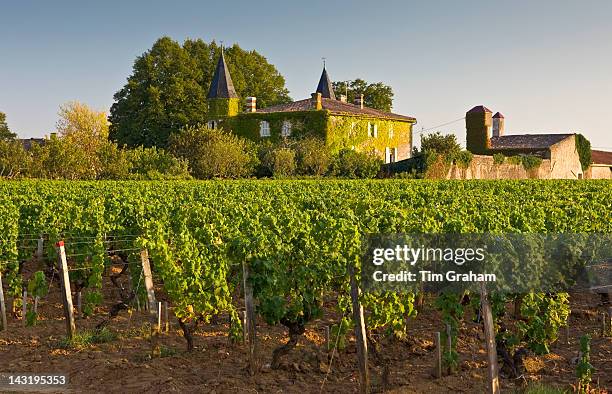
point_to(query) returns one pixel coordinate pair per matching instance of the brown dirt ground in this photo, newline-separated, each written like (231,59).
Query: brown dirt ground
(216,366)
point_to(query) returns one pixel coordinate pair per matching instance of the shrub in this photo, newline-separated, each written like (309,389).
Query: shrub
(313,157)
(463,159)
(499,158)
(351,164)
(515,160)
(214,153)
(279,162)
(530,162)
(114,162)
(155,164)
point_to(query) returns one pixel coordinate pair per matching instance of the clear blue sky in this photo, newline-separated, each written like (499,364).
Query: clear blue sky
(546,65)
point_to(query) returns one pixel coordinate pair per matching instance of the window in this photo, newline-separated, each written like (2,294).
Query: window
(375,130)
(352,131)
(390,155)
(286,130)
(390,131)
(212,124)
(372,130)
(264,128)
(369,129)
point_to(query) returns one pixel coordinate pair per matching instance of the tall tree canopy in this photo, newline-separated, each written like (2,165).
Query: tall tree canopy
(375,95)
(169,83)
(5,132)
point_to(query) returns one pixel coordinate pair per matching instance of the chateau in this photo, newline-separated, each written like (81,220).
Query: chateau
(339,123)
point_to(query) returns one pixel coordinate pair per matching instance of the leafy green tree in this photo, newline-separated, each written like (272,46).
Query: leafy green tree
(169,83)
(5,132)
(214,153)
(437,142)
(375,95)
(58,158)
(14,160)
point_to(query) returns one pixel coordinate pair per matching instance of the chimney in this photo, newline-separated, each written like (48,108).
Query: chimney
(317,101)
(343,98)
(359,100)
(251,104)
(498,125)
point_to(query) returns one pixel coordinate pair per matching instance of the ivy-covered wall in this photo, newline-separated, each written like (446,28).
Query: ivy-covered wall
(339,131)
(346,131)
(477,132)
(303,123)
(220,107)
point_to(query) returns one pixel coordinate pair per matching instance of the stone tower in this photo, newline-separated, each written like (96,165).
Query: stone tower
(222,98)
(478,123)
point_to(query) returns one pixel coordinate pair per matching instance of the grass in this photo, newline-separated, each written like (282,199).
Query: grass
(539,388)
(86,338)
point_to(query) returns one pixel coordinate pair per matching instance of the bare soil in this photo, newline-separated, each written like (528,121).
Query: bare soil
(124,365)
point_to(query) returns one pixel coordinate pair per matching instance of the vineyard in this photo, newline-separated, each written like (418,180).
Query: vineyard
(266,265)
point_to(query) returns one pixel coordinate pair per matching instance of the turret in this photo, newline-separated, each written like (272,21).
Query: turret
(222,98)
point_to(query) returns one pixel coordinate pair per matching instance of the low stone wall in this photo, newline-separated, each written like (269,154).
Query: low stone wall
(483,167)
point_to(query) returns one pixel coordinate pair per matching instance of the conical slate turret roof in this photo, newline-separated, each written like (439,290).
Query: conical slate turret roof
(222,85)
(325,86)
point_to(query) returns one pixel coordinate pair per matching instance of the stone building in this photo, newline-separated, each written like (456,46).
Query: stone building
(486,136)
(339,123)
(601,165)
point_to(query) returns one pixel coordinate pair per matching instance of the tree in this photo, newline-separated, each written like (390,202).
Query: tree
(59,158)
(14,160)
(169,83)
(214,153)
(5,132)
(445,145)
(375,95)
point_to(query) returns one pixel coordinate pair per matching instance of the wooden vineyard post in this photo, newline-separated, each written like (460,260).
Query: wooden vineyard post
(487,314)
(2,306)
(24,307)
(251,335)
(360,334)
(80,305)
(166,317)
(449,339)
(39,249)
(66,292)
(148,279)
(159,316)
(150,305)
(438,366)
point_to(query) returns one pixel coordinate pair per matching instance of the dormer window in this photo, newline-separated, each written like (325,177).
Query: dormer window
(286,129)
(264,128)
